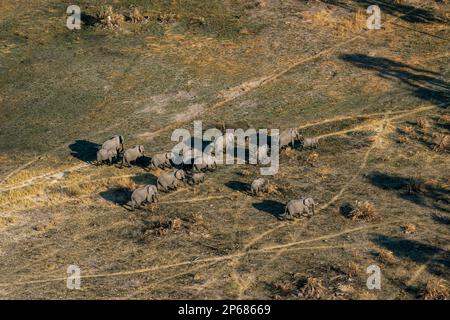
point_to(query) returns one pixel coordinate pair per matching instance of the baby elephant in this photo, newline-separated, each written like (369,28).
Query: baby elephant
(310,143)
(106,155)
(259,185)
(171,180)
(145,194)
(299,207)
(131,155)
(161,160)
(197,178)
(288,136)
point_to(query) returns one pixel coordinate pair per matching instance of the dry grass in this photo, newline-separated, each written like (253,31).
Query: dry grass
(423,123)
(312,289)
(198,219)
(409,228)
(312,158)
(442,143)
(444,119)
(363,211)
(353,269)
(436,289)
(386,256)
(108,18)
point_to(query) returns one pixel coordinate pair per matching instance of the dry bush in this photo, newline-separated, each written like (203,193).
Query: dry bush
(386,256)
(409,228)
(136,16)
(285,288)
(353,24)
(289,152)
(444,119)
(271,188)
(167,18)
(442,143)
(312,158)
(403,140)
(312,289)
(423,123)
(353,269)
(406,130)
(436,289)
(363,210)
(245,173)
(72,190)
(175,224)
(108,18)
(198,219)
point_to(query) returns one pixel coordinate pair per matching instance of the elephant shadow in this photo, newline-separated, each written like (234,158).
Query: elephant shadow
(346,209)
(84,150)
(273,207)
(238,186)
(145,178)
(119,196)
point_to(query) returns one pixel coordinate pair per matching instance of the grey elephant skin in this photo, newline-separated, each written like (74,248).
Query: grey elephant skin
(302,207)
(145,194)
(171,180)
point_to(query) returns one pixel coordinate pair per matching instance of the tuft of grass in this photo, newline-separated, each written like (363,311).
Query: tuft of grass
(436,289)
(136,16)
(198,219)
(312,289)
(386,256)
(363,210)
(423,123)
(409,228)
(352,269)
(444,119)
(442,143)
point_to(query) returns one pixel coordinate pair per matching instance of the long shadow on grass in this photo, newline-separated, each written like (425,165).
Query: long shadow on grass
(423,83)
(414,190)
(238,186)
(145,178)
(404,11)
(84,150)
(118,195)
(273,207)
(437,259)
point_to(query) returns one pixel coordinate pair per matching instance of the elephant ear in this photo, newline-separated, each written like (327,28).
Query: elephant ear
(141,149)
(121,139)
(177,174)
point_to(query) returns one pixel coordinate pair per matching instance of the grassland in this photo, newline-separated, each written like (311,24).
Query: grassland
(379,100)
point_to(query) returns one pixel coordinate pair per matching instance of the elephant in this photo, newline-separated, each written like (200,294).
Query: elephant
(161,160)
(171,180)
(206,162)
(197,178)
(222,142)
(310,143)
(115,143)
(106,155)
(300,207)
(131,155)
(147,193)
(259,185)
(289,136)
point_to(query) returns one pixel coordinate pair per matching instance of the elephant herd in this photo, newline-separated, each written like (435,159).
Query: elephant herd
(193,172)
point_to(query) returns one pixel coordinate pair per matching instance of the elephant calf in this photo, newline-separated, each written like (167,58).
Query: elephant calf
(171,180)
(197,178)
(148,193)
(259,185)
(161,160)
(310,143)
(106,155)
(304,207)
(288,136)
(131,155)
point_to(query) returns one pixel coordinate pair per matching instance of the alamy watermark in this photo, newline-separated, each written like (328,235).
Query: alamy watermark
(74,277)
(374,278)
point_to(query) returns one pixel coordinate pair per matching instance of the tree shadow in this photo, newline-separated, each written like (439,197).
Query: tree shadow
(84,150)
(403,11)
(436,259)
(423,83)
(119,196)
(414,190)
(273,207)
(346,209)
